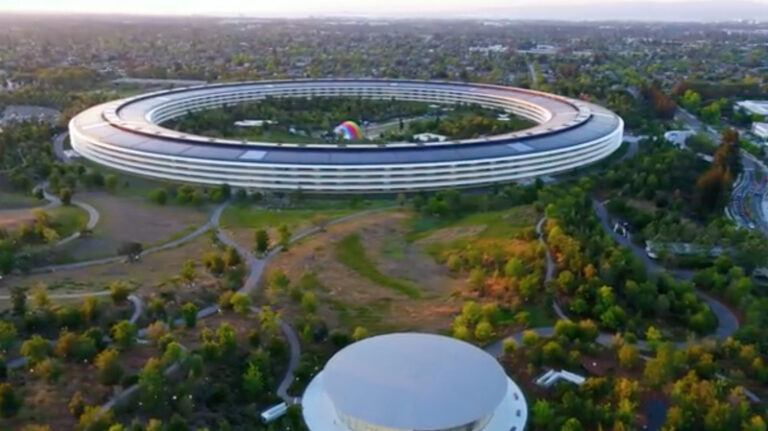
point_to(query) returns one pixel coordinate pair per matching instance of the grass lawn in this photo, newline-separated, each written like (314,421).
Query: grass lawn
(9,201)
(68,220)
(244,216)
(351,253)
(503,223)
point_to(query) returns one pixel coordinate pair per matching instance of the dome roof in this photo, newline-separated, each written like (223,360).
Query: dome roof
(414,381)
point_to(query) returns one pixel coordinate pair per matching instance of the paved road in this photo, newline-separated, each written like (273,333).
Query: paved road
(728,323)
(58,147)
(532,72)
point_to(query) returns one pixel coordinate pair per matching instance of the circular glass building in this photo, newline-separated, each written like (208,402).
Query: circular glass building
(413,382)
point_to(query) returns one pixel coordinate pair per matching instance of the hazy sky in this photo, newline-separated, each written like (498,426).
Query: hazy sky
(293,8)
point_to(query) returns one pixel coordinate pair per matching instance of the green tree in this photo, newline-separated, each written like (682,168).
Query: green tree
(65,194)
(10,402)
(8,334)
(108,364)
(159,196)
(152,385)
(76,404)
(627,355)
(124,334)
(35,349)
(188,273)
(93,419)
(19,300)
(231,257)
(110,182)
(253,382)
(118,291)
(359,333)
(213,263)
(483,331)
(308,302)
(572,424)
(189,314)
(241,303)
(285,236)
(262,241)
(542,413)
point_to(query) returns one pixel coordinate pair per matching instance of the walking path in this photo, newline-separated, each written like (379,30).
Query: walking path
(256,268)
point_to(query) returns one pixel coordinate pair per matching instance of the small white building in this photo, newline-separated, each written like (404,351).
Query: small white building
(760,130)
(678,137)
(429,137)
(254,123)
(551,377)
(755,107)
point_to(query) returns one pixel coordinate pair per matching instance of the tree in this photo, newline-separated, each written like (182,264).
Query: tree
(188,273)
(189,314)
(359,333)
(231,257)
(241,303)
(627,355)
(159,196)
(483,331)
(213,263)
(110,182)
(35,349)
(225,335)
(691,100)
(253,382)
(285,236)
(10,402)
(653,338)
(530,338)
(93,419)
(76,404)
(118,291)
(572,424)
(308,302)
(152,384)
(8,334)
(90,308)
(19,300)
(542,413)
(124,334)
(65,194)
(262,241)
(49,369)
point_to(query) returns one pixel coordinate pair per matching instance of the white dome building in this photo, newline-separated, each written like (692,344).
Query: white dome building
(413,382)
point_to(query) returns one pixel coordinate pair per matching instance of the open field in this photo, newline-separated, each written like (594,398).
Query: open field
(10,201)
(148,272)
(241,221)
(130,219)
(347,299)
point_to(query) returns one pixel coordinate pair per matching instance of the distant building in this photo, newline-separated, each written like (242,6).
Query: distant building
(487,49)
(429,137)
(19,113)
(754,107)
(760,130)
(540,50)
(254,123)
(678,137)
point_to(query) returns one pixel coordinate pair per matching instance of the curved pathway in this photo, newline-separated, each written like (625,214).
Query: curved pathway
(728,323)
(256,268)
